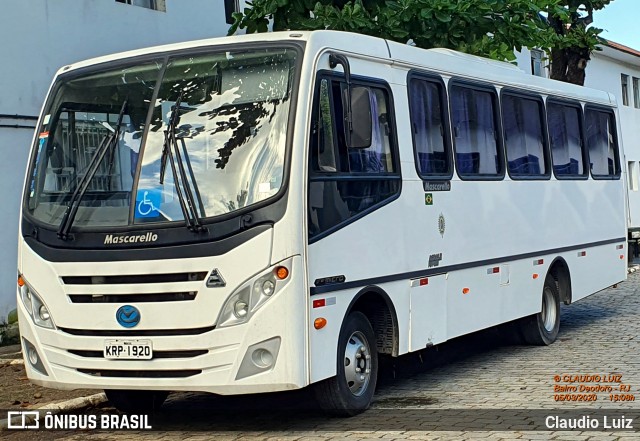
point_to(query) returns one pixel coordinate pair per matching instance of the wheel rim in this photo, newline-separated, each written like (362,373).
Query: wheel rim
(549,312)
(357,363)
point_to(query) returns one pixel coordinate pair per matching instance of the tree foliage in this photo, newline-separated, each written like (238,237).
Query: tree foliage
(575,39)
(490,28)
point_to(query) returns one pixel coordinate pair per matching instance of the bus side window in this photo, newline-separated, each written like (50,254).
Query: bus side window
(476,139)
(325,143)
(343,182)
(432,149)
(566,140)
(524,138)
(601,143)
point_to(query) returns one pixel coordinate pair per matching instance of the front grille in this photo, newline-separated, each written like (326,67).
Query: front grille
(134,279)
(133,298)
(156,354)
(139,333)
(141,373)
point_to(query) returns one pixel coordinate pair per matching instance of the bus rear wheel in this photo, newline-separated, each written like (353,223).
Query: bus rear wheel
(542,328)
(136,401)
(350,392)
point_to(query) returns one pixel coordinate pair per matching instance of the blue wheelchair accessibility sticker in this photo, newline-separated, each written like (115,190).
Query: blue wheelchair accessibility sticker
(148,203)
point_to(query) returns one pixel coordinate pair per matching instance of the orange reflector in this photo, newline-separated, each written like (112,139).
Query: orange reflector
(320,323)
(465,290)
(282,272)
(621,256)
(535,276)
(20,281)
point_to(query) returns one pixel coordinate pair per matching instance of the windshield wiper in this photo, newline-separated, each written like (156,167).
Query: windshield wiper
(183,187)
(81,188)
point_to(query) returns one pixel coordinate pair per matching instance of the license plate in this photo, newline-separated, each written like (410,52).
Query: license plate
(128,349)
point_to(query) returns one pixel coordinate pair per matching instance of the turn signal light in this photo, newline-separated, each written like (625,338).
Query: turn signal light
(465,290)
(535,276)
(282,272)
(320,323)
(20,281)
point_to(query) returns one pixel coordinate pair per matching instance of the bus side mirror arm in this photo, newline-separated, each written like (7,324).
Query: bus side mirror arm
(361,136)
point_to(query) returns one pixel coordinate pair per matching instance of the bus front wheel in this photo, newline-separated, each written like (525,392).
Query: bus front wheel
(542,328)
(350,392)
(135,401)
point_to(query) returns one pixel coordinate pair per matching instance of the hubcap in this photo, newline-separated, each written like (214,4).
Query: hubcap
(549,313)
(357,363)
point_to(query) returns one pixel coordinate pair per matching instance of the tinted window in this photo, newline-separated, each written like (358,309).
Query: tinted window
(523,136)
(566,140)
(346,182)
(474,128)
(428,124)
(601,142)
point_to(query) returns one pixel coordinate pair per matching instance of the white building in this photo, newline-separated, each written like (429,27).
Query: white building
(40,36)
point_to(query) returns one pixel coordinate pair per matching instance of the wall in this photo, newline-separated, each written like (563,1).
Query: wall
(39,37)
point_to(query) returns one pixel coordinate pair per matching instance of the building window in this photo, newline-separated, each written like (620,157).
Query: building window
(537,63)
(633,176)
(230,6)
(636,93)
(625,89)
(158,5)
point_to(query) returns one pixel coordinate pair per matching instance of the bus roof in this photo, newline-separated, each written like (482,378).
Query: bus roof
(446,62)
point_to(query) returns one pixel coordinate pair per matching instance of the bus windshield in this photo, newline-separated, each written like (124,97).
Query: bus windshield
(214,125)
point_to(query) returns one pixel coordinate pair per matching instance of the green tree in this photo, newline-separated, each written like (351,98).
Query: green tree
(490,28)
(575,39)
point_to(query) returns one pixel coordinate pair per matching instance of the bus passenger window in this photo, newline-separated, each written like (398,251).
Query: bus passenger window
(523,136)
(426,100)
(476,146)
(601,142)
(566,140)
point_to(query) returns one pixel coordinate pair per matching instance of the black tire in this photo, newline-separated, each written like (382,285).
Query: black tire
(541,329)
(347,394)
(136,401)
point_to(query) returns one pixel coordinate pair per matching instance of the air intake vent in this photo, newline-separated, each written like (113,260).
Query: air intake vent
(141,373)
(133,298)
(133,279)
(156,354)
(137,333)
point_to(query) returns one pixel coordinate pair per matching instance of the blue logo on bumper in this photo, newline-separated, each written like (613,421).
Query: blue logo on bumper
(128,316)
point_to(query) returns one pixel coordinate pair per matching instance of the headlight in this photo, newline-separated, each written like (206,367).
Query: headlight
(252,294)
(34,306)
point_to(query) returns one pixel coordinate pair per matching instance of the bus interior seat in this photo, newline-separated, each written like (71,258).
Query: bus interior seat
(468,163)
(570,168)
(434,162)
(525,165)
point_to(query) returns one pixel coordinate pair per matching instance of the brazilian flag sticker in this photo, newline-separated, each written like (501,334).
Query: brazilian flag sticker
(428,199)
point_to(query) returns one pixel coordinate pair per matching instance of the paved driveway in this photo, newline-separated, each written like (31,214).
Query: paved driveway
(477,387)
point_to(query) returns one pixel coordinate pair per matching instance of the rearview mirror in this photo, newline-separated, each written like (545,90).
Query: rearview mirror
(359,137)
